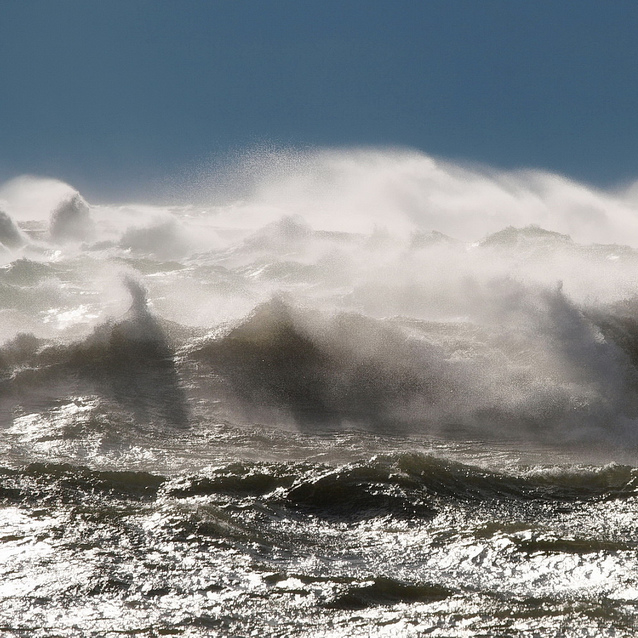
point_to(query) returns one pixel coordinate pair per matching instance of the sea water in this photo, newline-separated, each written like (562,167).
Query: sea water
(331,393)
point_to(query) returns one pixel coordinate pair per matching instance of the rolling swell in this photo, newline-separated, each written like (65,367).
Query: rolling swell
(51,483)
(386,591)
(408,485)
(405,533)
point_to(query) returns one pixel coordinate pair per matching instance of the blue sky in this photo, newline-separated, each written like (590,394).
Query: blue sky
(115,96)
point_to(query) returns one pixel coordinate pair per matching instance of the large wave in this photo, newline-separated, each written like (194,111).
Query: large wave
(372,289)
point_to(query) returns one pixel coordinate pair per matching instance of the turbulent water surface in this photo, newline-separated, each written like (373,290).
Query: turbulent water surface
(341,393)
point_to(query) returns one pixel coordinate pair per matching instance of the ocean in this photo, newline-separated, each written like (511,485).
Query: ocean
(329,393)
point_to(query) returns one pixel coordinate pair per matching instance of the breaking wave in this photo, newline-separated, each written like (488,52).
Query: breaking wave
(334,290)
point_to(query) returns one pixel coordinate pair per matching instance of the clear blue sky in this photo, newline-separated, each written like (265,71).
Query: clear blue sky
(112,95)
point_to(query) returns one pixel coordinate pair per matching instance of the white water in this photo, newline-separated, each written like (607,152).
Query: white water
(488,293)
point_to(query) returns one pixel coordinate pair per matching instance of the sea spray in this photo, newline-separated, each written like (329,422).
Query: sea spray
(339,311)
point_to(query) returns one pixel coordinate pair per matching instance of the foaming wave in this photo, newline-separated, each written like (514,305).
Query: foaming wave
(71,220)
(29,198)
(536,368)
(129,362)
(403,190)
(372,289)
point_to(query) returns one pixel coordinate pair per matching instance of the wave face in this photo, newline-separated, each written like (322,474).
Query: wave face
(363,390)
